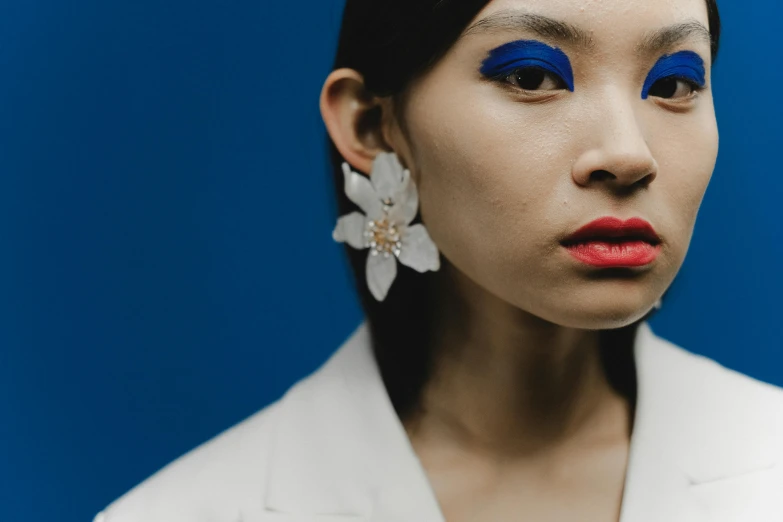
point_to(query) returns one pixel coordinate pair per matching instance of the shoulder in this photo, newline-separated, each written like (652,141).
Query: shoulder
(214,481)
(711,381)
(225,478)
(724,412)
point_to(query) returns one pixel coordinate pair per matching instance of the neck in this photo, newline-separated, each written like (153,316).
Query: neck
(507,383)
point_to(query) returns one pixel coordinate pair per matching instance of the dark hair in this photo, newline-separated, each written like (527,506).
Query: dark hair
(391,43)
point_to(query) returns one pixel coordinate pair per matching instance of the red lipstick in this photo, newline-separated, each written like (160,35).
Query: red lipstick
(612,242)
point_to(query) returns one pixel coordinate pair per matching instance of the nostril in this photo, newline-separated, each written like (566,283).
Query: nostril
(646,180)
(601,175)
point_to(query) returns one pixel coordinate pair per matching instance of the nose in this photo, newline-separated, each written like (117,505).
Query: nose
(618,154)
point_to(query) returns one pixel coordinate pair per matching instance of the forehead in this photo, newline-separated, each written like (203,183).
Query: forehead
(618,22)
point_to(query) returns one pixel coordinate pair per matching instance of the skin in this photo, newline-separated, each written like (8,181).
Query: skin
(519,414)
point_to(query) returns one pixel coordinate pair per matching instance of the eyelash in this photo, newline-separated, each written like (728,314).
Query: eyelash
(695,86)
(504,78)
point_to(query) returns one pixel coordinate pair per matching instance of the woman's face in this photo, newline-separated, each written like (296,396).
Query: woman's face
(612,122)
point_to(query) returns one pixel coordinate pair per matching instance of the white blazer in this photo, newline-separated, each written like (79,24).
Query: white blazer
(707,446)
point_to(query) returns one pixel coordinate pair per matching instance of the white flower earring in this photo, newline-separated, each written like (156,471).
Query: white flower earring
(390,202)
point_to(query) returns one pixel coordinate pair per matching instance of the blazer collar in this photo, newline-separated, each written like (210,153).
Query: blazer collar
(695,428)
(339,449)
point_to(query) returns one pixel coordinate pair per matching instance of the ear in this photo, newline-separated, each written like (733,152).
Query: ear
(354,118)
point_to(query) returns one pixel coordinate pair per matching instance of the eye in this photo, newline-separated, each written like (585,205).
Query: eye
(535,78)
(674,87)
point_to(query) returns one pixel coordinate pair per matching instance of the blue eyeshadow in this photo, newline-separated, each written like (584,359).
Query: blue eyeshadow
(528,53)
(684,64)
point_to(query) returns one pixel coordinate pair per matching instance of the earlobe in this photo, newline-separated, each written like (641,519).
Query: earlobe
(351,118)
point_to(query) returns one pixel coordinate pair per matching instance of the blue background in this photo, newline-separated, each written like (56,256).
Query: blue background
(166,217)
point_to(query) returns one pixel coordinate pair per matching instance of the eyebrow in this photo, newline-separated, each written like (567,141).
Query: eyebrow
(670,36)
(564,32)
(515,20)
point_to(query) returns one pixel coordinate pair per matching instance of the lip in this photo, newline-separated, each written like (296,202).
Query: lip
(612,242)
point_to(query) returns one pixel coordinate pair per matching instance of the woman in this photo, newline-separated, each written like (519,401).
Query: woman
(556,154)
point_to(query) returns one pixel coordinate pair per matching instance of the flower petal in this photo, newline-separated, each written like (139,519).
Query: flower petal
(418,251)
(350,229)
(386,175)
(359,189)
(406,202)
(381,271)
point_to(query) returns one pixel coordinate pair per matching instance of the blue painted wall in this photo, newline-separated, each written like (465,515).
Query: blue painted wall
(166,217)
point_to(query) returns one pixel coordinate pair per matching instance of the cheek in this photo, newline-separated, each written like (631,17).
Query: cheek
(485,180)
(487,177)
(686,161)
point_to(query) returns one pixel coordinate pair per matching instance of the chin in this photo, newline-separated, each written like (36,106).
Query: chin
(601,314)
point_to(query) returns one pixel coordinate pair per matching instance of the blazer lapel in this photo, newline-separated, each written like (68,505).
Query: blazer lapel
(340,453)
(701,448)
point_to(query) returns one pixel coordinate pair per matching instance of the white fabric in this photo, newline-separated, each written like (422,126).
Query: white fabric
(707,446)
